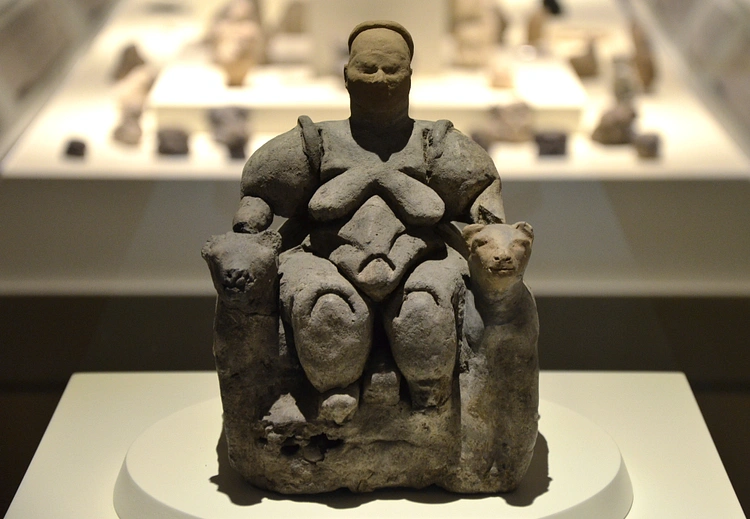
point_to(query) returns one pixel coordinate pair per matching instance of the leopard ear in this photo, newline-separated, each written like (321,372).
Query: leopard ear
(470,230)
(525,228)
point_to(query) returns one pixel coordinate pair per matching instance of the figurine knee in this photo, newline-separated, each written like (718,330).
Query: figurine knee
(333,336)
(442,279)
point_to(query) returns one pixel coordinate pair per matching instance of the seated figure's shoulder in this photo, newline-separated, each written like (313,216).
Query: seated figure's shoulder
(452,150)
(284,171)
(334,127)
(335,139)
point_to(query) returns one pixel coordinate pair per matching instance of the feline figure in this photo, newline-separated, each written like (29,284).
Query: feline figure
(498,255)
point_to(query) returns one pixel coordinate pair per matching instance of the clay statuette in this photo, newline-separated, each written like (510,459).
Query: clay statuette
(369,342)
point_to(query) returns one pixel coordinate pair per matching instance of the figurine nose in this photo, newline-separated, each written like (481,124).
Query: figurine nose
(502,259)
(377,76)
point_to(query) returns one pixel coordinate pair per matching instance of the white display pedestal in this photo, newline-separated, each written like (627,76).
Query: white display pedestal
(172,471)
(653,417)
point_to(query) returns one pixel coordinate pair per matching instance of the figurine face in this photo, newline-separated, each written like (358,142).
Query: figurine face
(378,75)
(241,10)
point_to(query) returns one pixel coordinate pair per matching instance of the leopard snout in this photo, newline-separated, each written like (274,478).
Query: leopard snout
(502,262)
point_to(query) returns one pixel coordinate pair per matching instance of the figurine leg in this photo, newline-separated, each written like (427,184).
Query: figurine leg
(332,323)
(422,322)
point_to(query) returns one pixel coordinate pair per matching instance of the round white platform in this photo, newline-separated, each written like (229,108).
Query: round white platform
(173,471)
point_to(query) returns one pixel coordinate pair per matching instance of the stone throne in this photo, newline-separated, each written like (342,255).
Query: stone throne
(368,342)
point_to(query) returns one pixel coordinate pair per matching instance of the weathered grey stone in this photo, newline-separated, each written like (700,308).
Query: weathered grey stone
(129,59)
(553,7)
(172,141)
(551,143)
(253,216)
(369,343)
(244,268)
(229,126)
(284,412)
(511,123)
(625,83)
(500,391)
(586,65)
(616,125)
(75,148)
(647,145)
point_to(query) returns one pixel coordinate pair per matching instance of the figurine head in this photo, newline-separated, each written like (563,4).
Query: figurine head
(239,10)
(378,74)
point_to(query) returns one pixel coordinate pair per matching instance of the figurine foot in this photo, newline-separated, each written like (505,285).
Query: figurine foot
(382,387)
(339,405)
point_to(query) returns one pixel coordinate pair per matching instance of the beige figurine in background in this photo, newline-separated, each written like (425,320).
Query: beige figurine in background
(236,40)
(478,25)
(586,64)
(643,57)
(132,92)
(535,27)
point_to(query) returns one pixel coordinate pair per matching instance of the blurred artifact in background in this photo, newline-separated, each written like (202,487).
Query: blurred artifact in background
(236,40)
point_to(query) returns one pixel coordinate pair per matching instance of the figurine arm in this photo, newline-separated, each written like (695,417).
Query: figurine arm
(464,176)
(280,178)
(253,216)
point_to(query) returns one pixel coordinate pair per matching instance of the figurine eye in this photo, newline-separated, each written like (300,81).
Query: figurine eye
(479,242)
(369,69)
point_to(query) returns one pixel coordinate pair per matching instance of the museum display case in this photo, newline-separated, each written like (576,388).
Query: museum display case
(714,40)
(39,39)
(645,203)
(646,256)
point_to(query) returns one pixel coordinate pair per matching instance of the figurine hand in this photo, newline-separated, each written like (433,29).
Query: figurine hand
(253,216)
